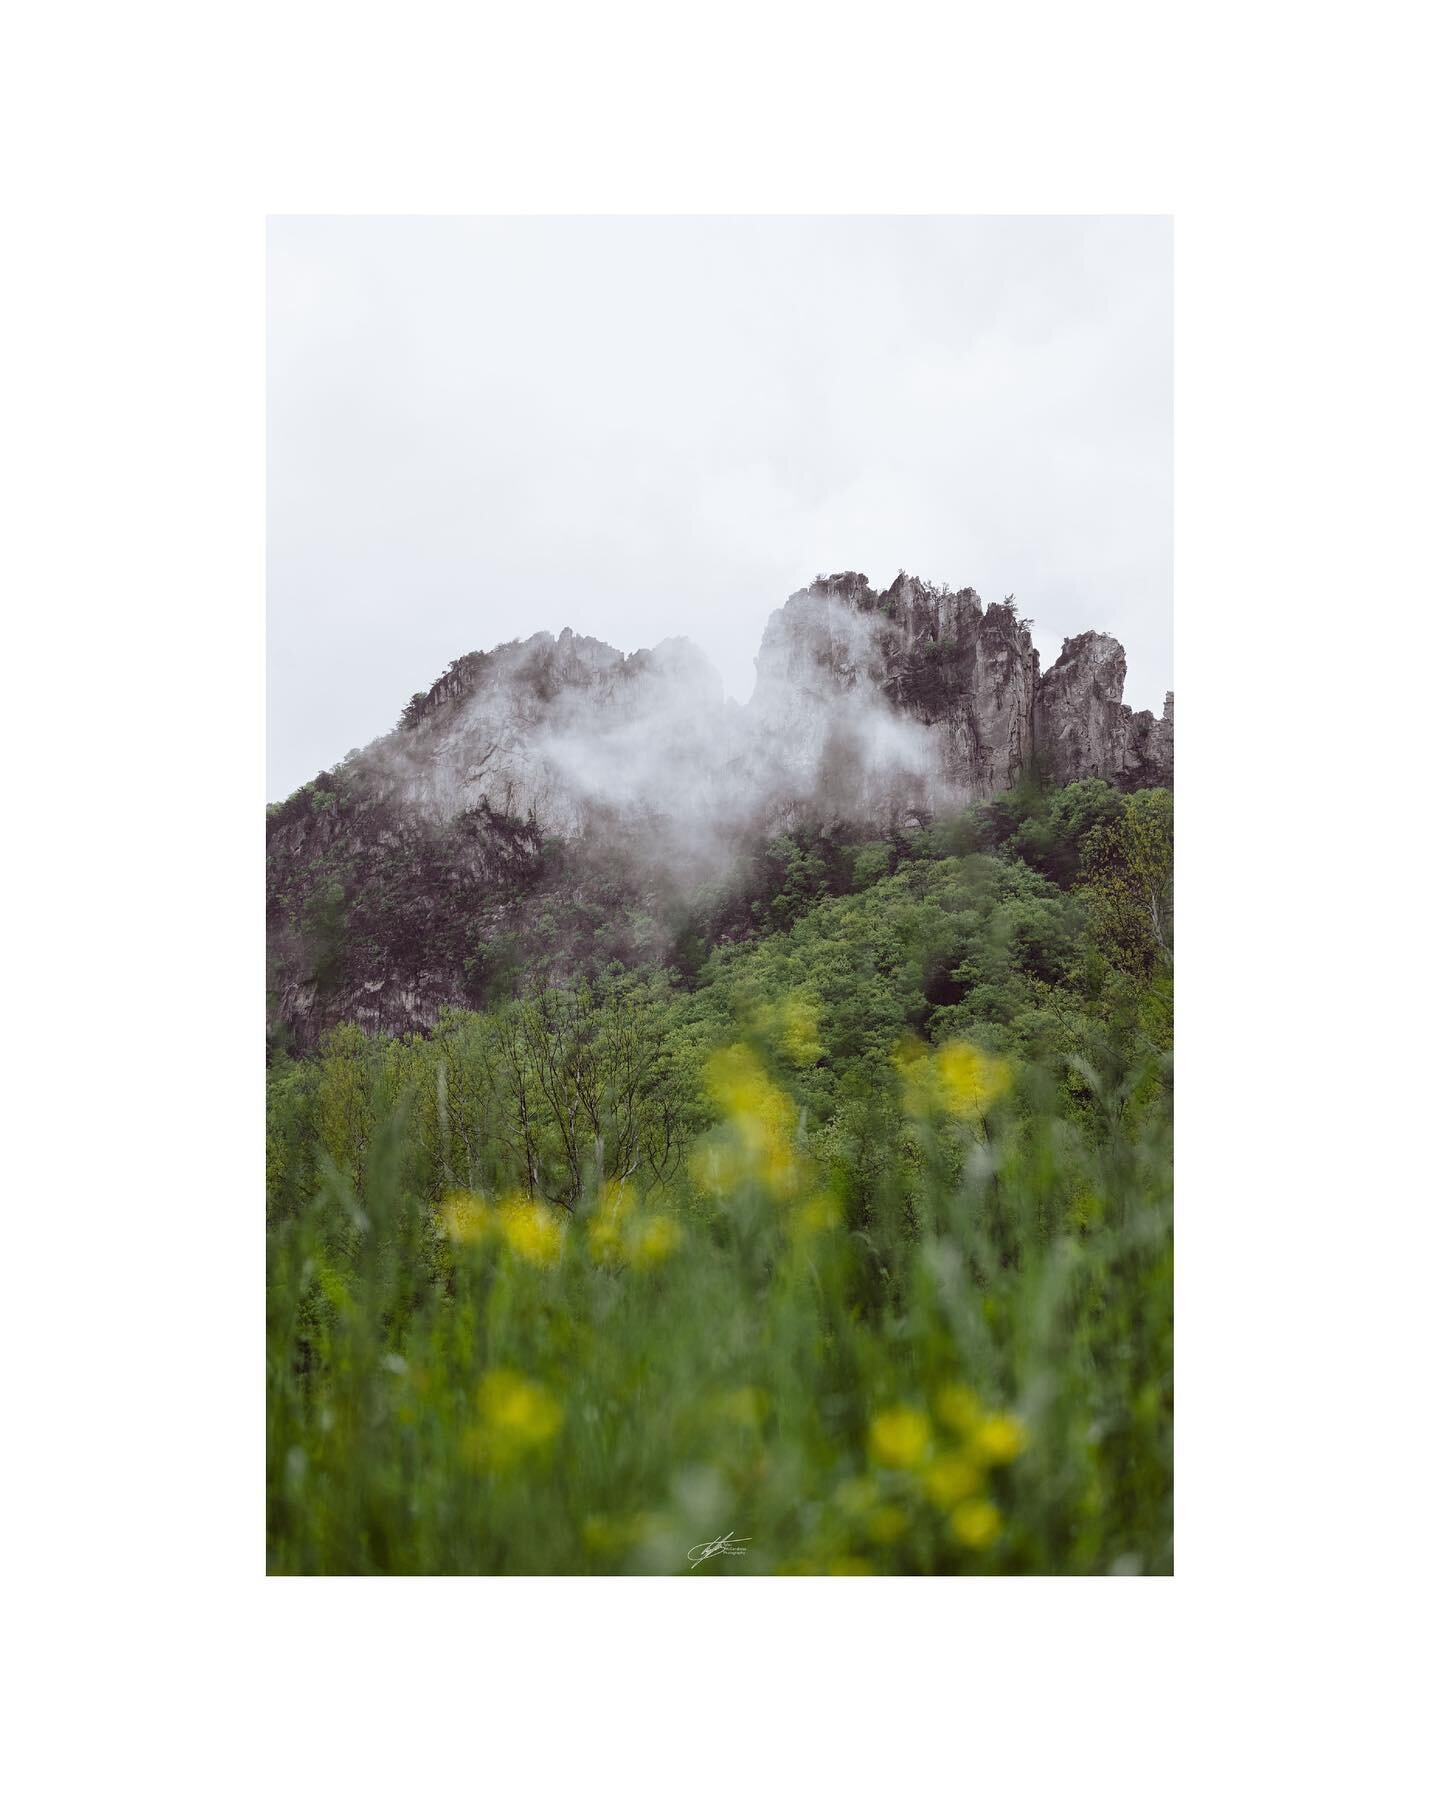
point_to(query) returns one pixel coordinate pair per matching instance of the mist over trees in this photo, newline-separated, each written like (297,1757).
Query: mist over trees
(555,805)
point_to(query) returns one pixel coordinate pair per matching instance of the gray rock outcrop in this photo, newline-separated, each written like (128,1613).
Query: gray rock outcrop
(558,798)
(1084,729)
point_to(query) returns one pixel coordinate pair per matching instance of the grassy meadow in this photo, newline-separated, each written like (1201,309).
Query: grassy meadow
(847,1237)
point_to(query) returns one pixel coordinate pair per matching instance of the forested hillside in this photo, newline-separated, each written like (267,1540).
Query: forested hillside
(841,1225)
(556,804)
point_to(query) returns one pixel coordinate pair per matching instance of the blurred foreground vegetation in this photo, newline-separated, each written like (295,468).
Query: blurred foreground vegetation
(851,1238)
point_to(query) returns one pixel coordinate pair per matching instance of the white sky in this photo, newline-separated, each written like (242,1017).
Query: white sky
(644,428)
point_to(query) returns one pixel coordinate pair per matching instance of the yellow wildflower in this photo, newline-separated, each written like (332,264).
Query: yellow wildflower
(517,1415)
(751,1154)
(776,1168)
(917,1076)
(998,1438)
(976,1523)
(533,1230)
(739,1085)
(899,1438)
(464,1218)
(760,1122)
(969,1081)
(606,1241)
(656,1240)
(951,1477)
(958,1078)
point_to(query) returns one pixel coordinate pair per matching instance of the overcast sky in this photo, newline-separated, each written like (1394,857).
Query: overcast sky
(644,428)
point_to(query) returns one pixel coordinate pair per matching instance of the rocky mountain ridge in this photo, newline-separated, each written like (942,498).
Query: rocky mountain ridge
(405,878)
(969,676)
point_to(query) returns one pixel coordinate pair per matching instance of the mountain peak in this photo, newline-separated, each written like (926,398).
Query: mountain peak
(873,711)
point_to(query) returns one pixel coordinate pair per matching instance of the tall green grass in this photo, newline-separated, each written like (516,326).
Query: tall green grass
(967,1374)
(855,1245)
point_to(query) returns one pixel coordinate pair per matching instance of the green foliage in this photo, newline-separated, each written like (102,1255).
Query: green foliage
(1129,870)
(870,862)
(1053,840)
(851,1235)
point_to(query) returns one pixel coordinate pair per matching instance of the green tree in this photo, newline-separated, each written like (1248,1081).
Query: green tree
(1128,869)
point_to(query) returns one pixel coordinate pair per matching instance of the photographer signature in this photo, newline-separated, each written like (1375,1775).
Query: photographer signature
(729,1545)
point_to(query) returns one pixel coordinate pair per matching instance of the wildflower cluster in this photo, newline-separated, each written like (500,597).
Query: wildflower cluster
(957,1079)
(516,1419)
(946,1468)
(762,1330)
(754,1145)
(532,1230)
(622,1232)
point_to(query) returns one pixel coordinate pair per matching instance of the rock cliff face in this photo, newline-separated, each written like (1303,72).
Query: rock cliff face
(966,675)
(927,694)
(557,731)
(1083,729)
(556,791)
